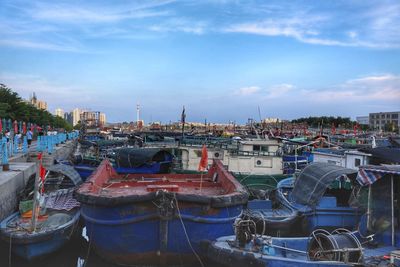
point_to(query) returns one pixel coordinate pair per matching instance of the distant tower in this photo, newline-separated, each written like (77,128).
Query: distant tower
(137,113)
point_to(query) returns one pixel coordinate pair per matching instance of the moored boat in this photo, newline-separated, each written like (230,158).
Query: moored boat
(126,160)
(317,198)
(33,235)
(152,219)
(374,242)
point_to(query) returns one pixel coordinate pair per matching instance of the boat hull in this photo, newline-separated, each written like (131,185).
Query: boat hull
(144,234)
(222,253)
(33,246)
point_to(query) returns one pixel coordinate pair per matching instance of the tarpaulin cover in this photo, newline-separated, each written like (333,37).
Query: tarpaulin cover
(68,171)
(369,174)
(385,154)
(314,180)
(135,157)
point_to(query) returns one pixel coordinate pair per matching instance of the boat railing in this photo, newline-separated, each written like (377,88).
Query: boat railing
(252,153)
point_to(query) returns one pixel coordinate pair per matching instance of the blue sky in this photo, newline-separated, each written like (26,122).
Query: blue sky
(221,59)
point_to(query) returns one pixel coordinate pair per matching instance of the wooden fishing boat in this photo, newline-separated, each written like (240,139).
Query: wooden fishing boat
(33,236)
(374,242)
(317,199)
(152,219)
(126,160)
(51,233)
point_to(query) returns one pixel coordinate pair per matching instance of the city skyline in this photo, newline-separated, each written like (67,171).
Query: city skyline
(220,59)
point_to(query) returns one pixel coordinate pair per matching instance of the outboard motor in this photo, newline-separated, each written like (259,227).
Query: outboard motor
(340,245)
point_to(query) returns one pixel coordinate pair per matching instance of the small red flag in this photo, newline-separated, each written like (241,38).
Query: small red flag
(333,130)
(24,128)
(204,159)
(1,126)
(42,170)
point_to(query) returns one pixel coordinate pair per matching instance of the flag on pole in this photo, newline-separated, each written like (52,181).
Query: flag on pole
(204,159)
(183,116)
(42,170)
(333,130)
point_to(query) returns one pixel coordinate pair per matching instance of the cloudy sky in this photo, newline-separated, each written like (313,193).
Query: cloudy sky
(221,59)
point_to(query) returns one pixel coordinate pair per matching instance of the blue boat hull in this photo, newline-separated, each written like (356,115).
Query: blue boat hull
(143,234)
(85,170)
(221,252)
(33,246)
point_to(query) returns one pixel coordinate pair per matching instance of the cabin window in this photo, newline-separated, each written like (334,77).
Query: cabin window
(357,162)
(259,148)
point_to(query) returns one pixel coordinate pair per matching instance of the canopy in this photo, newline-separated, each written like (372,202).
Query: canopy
(384,154)
(135,157)
(369,174)
(68,171)
(314,180)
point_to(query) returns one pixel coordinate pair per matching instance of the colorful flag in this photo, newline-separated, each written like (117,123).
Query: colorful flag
(1,126)
(204,159)
(42,170)
(183,116)
(24,128)
(333,130)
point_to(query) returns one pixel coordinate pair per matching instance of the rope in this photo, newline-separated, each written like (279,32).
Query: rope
(186,234)
(9,252)
(89,246)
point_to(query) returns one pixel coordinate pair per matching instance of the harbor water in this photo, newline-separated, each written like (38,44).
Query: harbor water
(76,253)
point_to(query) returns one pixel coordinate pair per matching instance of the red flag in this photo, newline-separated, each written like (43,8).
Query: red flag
(15,126)
(1,126)
(333,130)
(355,129)
(24,127)
(42,170)
(204,159)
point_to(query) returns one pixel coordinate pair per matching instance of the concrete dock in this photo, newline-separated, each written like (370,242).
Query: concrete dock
(22,166)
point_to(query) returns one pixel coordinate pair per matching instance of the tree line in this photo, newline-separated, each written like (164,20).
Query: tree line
(13,107)
(326,121)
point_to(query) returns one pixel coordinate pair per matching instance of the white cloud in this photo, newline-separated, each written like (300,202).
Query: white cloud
(279,90)
(56,95)
(180,25)
(246,91)
(373,88)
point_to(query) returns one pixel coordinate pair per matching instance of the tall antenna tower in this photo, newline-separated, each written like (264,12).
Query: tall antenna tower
(137,113)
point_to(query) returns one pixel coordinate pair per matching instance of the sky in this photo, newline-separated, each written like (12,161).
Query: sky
(220,59)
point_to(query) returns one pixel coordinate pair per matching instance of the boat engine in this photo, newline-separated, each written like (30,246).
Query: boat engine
(340,245)
(243,231)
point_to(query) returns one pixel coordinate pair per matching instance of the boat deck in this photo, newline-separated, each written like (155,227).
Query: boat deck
(118,187)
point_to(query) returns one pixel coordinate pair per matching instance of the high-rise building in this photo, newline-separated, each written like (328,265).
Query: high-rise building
(383,119)
(68,116)
(76,116)
(37,103)
(59,112)
(102,119)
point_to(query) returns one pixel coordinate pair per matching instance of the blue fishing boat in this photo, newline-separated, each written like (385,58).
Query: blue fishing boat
(33,236)
(152,219)
(50,235)
(127,160)
(375,242)
(317,198)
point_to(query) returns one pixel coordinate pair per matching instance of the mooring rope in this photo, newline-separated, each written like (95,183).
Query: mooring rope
(9,252)
(186,234)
